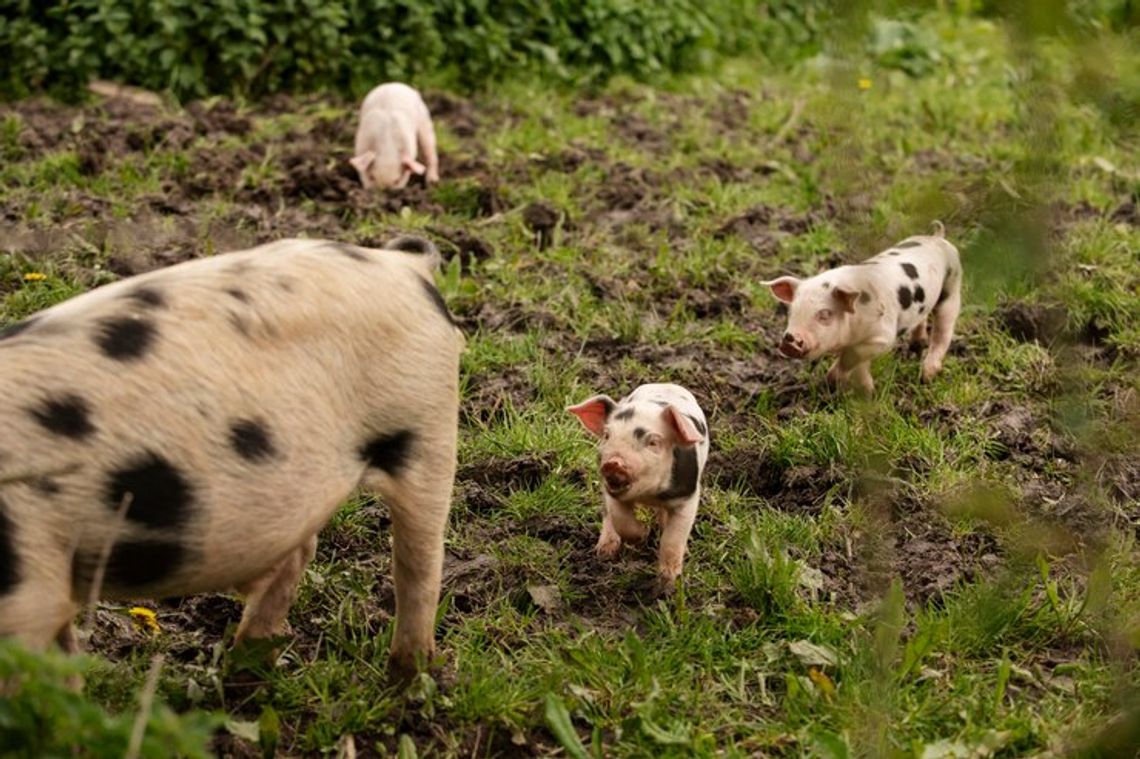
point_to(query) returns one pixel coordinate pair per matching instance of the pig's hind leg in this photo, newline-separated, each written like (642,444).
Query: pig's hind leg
(945,315)
(425,135)
(418,493)
(269,597)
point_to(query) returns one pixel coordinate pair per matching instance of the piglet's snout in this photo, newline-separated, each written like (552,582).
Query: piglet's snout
(793,345)
(617,477)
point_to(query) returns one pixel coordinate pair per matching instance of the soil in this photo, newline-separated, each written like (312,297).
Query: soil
(312,190)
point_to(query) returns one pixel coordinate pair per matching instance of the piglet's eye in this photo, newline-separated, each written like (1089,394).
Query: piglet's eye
(824,314)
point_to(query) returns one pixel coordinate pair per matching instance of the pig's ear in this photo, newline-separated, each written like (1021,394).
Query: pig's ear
(846,298)
(684,425)
(414,166)
(363,161)
(594,412)
(783,288)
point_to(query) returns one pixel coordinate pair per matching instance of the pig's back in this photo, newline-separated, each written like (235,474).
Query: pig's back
(394,96)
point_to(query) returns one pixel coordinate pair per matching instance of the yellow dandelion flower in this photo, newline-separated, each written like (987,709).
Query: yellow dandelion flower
(34,276)
(864,83)
(145,619)
(643,514)
(823,682)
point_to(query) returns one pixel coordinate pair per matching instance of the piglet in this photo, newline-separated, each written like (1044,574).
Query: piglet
(393,121)
(859,312)
(654,444)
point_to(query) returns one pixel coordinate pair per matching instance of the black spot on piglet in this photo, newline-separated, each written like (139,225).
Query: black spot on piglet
(160,496)
(410,244)
(625,414)
(437,300)
(351,251)
(919,294)
(910,269)
(147,296)
(388,453)
(908,244)
(683,478)
(68,416)
(124,338)
(14,329)
(9,561)
(904,296)
(132,565)
(251,440)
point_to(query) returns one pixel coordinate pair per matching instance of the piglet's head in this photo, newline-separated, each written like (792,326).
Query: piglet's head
(819,311)
(637,443)
(377,170)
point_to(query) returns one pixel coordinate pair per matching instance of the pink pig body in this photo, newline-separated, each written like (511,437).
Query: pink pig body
(859,312)
(654,445)
(394,121)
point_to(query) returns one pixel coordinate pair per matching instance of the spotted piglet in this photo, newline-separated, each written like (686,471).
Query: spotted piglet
(654,444)
(859,312)
(193,428)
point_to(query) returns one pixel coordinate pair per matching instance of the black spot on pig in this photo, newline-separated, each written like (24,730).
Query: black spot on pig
(662,404)
(351,251)
(238,294)
(388,453)
(124,338)
(239,323)
(437,300)
(826,285)
(921,310)
(47,486)
(864,296)
(893,252)
(139,563)
(943,295)
(908,244)
(902,331)
(904,296)
(148,297)
(9,561)
(67,416)
(910,269)
(701,428)
(14,329)
(639,433)
(410,244)
(159,494)
(132,564)
(625,414)
(683,479)
(919,294)
(250,438)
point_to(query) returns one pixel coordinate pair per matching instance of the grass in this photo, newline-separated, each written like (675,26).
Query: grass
(945,570)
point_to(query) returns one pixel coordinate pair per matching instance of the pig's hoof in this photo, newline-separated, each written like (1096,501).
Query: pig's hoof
(930,371)
(403,668)
(608,550)
(664,587)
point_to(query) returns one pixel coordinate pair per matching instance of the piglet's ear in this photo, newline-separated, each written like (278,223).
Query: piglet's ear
(593,413)
(846,298)
(688,429)
(363,161)
(783,288)
(414,166)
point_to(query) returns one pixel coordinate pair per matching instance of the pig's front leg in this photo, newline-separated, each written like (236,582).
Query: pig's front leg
(619,524)
(425,135)
(853,366)
(676,524)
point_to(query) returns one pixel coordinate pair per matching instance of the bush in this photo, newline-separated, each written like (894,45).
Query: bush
(194,48)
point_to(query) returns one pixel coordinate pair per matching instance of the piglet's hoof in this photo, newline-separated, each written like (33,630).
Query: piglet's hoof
(664,587)
(608,549)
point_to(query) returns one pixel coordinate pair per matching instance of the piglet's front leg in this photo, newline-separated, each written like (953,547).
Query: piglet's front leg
(619,524)
(853,367)
(676,524)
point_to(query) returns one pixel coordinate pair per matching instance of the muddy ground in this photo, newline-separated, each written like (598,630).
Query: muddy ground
(315,192)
